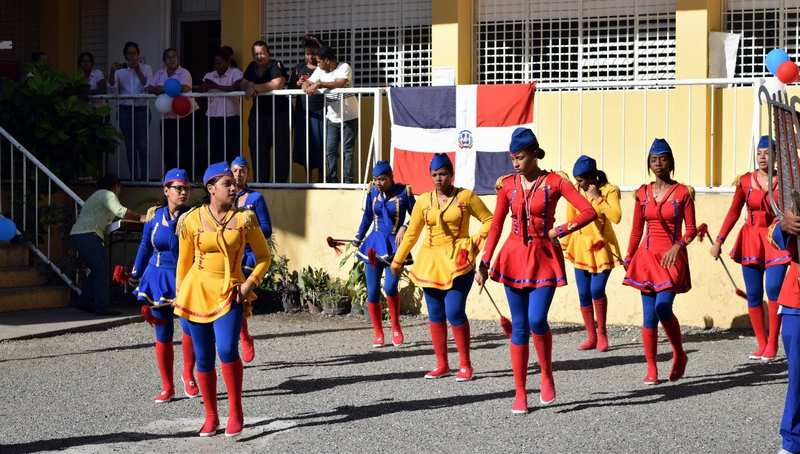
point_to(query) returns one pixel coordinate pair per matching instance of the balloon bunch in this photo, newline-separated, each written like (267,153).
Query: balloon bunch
(172,100)
(782,67)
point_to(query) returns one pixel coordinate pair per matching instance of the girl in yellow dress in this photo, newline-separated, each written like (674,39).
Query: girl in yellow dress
(594,250)
(445,265)
(211,289)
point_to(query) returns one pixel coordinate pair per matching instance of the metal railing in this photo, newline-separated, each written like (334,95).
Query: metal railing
(40,204)
(285,127)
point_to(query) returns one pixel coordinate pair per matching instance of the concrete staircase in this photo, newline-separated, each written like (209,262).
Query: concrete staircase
(23,286)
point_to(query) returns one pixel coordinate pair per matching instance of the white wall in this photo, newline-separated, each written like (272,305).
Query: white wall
(148,23)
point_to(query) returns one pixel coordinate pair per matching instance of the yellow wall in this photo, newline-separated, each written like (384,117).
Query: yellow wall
(451,37)
(59,33)
(303,219)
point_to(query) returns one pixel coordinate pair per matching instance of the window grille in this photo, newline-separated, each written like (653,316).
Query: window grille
(574,40)
(386,42)
(763,26)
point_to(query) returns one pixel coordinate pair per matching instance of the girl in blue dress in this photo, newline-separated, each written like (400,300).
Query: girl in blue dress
(385,211)
(154,269)
(249,199)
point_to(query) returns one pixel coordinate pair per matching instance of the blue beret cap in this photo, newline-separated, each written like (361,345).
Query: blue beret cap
(218,169)
(440,160)
(764,142)
(175,175)
(381,168)
(521,139)
(239,161)
(584,165)
(660,147)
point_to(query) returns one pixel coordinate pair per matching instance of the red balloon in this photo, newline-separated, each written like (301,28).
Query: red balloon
(787,72)
(181,106)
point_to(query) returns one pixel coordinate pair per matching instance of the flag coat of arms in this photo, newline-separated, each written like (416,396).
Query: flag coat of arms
(471,123)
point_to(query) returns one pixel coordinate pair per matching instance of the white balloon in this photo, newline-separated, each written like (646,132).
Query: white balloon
(164,103)
(773,85)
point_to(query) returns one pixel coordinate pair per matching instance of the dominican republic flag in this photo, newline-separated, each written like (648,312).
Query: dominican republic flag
(471,123)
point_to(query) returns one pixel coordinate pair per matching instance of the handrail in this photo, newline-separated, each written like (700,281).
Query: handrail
(41,167)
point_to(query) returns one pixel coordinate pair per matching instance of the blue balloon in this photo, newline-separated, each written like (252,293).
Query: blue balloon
(774,59)
(173,88)
(8,229)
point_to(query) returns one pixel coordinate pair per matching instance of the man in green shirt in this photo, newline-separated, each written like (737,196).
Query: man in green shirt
(88,237)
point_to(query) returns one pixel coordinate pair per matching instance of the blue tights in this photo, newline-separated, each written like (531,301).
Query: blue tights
(790,423)
(224,332)
(450,303)
(373,274)
(754,283)
(165,332)
(591,286)
(529,307)
(657,306)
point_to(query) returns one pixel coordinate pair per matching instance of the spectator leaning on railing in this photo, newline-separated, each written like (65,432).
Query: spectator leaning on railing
(176,132)
(263,75)
(300,74)
(223,113)
(130,78)
(333,74)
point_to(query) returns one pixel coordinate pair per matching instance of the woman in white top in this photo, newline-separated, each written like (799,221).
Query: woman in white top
(223,112)
(131,78)
(94,77)
(176,132)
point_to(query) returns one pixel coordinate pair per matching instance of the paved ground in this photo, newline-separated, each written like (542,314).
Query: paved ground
(316,387)
(52,322)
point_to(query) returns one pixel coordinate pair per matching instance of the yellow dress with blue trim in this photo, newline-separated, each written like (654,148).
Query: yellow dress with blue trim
(209,267)
(448,250)
(594,247)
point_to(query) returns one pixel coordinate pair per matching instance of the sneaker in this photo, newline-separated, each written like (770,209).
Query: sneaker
(439,372)
(164,397)
(464,374)
(190,388)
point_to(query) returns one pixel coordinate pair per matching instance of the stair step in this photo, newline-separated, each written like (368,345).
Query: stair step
(14,255)
(34,297)
(21,276)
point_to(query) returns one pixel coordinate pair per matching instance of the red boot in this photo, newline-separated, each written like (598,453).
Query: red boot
(600,309)
(164,358)
(461,336)
(394,314)
(248,348)
(189,384)
(543,343)
(650,345)
(232,375)
(208,389)
(439,341)
(771,351)
(757,322)
(376,316)
(591,336)
(519,363)
(679,359)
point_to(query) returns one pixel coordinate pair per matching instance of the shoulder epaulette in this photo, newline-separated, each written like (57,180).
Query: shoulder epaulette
(636,192)
(182,220)
(690,190)
(499,183)
(737,180)
(409,192)
(563,175)
(250,219)
(151,213)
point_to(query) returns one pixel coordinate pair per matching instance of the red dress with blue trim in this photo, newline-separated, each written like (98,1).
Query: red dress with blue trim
(664,219)
(529,258)
(752,247)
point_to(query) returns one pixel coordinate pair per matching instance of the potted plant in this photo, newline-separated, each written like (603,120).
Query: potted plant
(273,285)
(313,282)
(336,300)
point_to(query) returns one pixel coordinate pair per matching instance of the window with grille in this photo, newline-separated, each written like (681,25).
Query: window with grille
(387,43)
(574,40)
(762,26)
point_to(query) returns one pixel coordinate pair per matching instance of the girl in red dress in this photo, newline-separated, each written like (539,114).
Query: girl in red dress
(758,257)
(658,264)
(530,264)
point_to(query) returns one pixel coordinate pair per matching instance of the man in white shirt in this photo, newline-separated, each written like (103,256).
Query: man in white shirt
(341,112)
(131,79)
(223,112)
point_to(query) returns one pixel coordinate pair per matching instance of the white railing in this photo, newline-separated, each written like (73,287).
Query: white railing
(612,121)
(281,133)
(27,190)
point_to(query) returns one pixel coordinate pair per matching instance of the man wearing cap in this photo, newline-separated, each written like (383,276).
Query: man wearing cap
(249,199)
